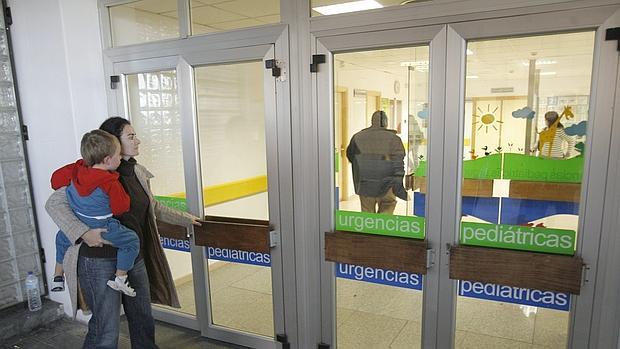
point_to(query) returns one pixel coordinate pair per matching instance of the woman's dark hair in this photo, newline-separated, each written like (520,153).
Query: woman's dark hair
(115,125)
(551,117)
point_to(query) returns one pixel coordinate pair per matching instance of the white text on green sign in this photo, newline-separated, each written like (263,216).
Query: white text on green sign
(516,237)
(380,224)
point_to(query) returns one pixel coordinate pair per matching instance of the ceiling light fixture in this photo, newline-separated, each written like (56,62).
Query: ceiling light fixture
(421,66)
(541,62)
(547,73)
(346,7)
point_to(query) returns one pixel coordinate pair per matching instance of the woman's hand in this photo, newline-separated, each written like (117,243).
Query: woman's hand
(197,222)
(93,238)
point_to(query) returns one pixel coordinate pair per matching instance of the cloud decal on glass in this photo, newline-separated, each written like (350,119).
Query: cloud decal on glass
(524,113)
(577,129)
(423,114)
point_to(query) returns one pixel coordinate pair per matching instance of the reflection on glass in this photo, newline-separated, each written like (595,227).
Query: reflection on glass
(526,110)
(143,21)
(380,111)
(154,112)
(214,16)
(231,123)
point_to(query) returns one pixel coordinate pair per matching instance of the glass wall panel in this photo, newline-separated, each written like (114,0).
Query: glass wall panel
(231,122)
(154,114)
(380,122)
(334,7)
(218,15)
(143,21)
(526,115)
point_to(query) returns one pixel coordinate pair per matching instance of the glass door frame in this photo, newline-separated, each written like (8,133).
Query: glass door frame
(598,142)
(435,37)
(334,35)
(223,48)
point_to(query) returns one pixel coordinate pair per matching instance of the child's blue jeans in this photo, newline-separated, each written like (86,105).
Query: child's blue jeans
(121,237)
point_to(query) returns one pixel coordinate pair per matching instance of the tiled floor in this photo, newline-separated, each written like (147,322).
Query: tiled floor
(68,334)
(378,316)
(368,316)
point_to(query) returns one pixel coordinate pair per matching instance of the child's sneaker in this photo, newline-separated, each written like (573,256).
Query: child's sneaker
(58,284)
(121,284)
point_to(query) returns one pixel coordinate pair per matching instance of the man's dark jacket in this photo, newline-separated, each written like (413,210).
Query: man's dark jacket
(377,155)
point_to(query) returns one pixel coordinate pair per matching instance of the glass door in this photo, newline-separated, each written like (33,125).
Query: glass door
(151,102)
(522,159)
(376,121)
(500,141)
(237,151)
(208,133)
(523,164)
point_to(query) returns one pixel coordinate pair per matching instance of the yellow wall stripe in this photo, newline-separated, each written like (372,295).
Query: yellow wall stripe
(219,193)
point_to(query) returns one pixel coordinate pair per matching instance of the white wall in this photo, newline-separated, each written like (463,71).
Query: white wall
(59,68)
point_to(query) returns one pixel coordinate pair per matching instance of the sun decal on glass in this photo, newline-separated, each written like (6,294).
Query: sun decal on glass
(487,119)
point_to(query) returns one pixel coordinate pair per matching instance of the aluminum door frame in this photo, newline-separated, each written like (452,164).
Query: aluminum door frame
(275,126)
(231,48)
(605,68)
(118,103)
(435,37)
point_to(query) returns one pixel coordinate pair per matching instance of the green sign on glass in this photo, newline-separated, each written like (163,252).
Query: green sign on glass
(176,203)
(532,168)
(380,224)
(516,237)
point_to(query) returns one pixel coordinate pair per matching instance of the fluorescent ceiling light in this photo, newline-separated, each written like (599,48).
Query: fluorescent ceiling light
(353,6)
(414,64)
(472,76)
(548,73)
(421,66)
(470,52)
(541,62)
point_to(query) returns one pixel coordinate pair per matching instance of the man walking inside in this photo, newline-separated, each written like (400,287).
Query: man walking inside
(377,155)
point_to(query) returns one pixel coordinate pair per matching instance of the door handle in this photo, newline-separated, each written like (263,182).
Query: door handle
(274,237)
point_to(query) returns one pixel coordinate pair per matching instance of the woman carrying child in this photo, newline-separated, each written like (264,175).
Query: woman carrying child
(95,261)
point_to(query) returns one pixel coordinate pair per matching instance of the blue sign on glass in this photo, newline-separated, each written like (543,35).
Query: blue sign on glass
(379,276)
(175,244)
(493,292)
(515,295)
(222,254)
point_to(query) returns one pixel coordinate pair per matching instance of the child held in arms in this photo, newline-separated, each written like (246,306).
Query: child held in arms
(95,195)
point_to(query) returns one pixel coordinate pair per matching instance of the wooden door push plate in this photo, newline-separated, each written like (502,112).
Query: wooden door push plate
(386,252)
(234,233)
(532,270)
(223,232)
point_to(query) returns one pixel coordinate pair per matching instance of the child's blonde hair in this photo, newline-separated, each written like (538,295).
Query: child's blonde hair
(96,145)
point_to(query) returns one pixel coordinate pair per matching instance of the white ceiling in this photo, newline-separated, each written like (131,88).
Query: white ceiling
(214,15)
(493,60)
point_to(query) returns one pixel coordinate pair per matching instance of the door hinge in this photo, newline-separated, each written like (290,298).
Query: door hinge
(114,80)
(273,65)
(274,238)
(430,258)
(323,346)
(613,34)
(8,17)
(25,135)
(283,338)
(316,60)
